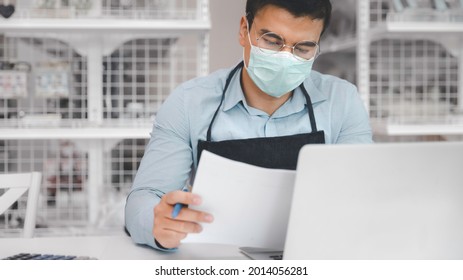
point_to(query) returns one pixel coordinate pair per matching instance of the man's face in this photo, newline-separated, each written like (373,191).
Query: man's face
(273,19)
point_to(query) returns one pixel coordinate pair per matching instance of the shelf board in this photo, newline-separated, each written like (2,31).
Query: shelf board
(425,27)
(103,25)
(397,129)
(75,133)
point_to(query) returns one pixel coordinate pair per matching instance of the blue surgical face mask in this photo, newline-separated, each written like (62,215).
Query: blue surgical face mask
(276,73)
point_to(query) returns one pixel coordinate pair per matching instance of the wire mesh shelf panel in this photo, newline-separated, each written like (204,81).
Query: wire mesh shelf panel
(53,85)
(416,11)
(121,9)
(413,81)
(379,10)
(137,78)
(121,163)
(63,201)
(63,195)
(141,73)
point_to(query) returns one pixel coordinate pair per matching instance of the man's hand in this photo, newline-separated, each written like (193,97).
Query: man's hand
(168,231)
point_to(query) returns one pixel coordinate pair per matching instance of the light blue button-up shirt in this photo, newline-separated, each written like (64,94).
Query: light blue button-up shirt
(171,155)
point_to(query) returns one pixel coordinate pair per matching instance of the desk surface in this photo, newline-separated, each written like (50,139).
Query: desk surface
(113,248)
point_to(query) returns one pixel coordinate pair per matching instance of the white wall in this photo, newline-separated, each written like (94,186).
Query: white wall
(225,50)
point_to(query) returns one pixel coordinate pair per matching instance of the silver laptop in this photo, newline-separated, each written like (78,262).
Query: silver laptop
(378,201)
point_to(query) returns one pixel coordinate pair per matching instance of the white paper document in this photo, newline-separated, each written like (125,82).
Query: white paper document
(250,204)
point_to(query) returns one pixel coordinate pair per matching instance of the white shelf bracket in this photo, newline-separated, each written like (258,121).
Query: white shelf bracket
(460,78)
(363,51)
(95,80)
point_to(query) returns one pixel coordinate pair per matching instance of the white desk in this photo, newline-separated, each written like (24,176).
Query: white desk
(113,248)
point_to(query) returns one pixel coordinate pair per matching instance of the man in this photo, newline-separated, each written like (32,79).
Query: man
(260,112)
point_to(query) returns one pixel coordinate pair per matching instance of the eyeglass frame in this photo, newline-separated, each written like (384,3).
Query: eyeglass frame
(318,51)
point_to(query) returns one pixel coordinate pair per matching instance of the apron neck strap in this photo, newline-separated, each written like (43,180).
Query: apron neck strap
(313,123)
(227,83)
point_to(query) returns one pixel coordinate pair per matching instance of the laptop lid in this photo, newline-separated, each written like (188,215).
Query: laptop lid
(377,201)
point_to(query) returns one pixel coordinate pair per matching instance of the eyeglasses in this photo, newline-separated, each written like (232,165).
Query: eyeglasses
(272,43)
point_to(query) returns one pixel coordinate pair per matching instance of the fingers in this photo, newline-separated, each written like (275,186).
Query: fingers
(168,201)
(182,226)
(168,231)
(163,215)
(182,197)
(187,214)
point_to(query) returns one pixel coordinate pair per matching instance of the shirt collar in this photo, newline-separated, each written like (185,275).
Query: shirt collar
(314,92)
(296,103)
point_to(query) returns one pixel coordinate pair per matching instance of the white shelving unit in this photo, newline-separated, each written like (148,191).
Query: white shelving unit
(410,66)
(119,60)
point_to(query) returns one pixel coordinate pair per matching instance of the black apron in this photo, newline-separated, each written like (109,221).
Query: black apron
(270,152)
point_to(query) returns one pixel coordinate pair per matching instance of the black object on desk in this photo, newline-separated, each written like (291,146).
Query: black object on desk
(28,256)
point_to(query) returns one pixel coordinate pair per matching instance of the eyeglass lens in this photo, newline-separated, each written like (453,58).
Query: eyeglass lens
(273,42)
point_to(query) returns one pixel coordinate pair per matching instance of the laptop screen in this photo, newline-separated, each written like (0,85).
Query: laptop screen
(377,201)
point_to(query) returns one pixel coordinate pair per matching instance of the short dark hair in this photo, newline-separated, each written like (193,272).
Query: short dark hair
(316,9)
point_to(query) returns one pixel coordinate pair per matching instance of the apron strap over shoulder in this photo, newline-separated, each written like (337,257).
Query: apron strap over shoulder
(313,123)
(227,83)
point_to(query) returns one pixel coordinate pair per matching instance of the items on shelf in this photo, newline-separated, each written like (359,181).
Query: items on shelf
(13,79)
(129,9)
(138,8)
(59,4)
(6,9)
(433,5)
(426,10)
(52,80)
(89,8)
(55,8)
(13,84)
(56,82)
(64,171)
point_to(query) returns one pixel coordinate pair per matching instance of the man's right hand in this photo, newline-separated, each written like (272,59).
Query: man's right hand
(168,231)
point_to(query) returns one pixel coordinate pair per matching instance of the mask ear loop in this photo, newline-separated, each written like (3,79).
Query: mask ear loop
(244,59)
(250,44)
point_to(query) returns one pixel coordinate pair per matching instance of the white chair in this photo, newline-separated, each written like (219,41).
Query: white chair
(17,185)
